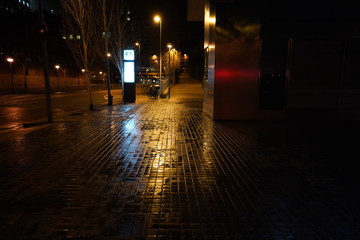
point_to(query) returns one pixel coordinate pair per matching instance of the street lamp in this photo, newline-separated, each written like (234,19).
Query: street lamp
(169,82)
(102,78)
(57,74)
(10,61)
(83,71)
(139,67)
(157,18)
(110,97)
(27,60)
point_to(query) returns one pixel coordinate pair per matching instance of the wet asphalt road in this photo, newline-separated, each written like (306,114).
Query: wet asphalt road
(161,169)
(17,109)
(20,108)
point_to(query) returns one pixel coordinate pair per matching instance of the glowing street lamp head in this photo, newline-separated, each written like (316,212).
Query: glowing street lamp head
(169,46)
(57,66)
(10,60)
(137,44)
(108,54)
(157,18)
(83,70)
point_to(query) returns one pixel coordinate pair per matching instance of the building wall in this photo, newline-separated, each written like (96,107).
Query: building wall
(270,61)
(232,47)
(35,83)
(209,53)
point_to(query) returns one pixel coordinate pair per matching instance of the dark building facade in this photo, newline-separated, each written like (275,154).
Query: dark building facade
(14,6)
(274,60)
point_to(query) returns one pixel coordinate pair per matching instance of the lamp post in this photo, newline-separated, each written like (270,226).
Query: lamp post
(10,61)
(110,97)
(169,82)
(174,59)
(57,74)
(64,72)
(156,63)
(139,64)
(158,19)
(102,78)
(83,71)
(25,72)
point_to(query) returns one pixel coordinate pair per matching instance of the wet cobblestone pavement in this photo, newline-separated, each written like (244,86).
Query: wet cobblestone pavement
(161,169)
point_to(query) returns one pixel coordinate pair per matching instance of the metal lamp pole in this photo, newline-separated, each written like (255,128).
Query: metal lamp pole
(83,71)
(158,19)
(169,82)
(10,61)
(138,44)
(57,74)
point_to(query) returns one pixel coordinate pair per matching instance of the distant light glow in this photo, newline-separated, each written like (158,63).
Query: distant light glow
(57,66)
(212,20)
(10,60)
(157,18)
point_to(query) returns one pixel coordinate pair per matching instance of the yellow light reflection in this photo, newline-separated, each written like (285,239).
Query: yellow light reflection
(212,20)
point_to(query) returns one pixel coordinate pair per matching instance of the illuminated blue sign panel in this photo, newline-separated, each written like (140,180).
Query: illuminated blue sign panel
(129,66)
(129,55)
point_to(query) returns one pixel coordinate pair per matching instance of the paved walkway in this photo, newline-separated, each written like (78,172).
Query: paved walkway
(161,169)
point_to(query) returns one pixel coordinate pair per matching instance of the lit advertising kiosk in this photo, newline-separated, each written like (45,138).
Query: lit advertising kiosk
(129,88)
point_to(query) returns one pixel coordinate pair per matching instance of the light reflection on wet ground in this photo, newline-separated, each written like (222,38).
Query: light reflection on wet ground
(163,170)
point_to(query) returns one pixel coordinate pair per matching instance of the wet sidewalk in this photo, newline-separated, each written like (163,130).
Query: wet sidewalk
(161,169)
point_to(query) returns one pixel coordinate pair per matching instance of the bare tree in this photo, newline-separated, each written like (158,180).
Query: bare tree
(114,17)
(120,28)
(80,29)
(106,20)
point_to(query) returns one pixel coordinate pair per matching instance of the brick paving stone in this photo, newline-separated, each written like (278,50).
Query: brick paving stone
(161,169)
